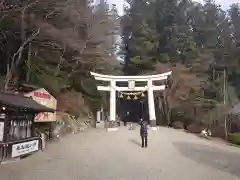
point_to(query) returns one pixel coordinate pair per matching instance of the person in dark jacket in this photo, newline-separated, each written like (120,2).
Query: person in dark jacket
(144,133)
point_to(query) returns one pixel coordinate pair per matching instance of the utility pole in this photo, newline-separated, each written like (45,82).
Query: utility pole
(225,95)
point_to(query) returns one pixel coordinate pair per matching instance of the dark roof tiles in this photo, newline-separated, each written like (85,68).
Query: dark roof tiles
(26,103)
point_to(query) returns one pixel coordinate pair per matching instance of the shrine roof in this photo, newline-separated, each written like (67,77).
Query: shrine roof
(22,102)
(26,88)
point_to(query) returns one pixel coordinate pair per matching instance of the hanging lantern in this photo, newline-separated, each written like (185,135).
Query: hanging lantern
(143,95)
(135,97)
(121,95)
(128,97)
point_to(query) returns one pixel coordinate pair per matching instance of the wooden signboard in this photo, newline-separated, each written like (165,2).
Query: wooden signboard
(43,97)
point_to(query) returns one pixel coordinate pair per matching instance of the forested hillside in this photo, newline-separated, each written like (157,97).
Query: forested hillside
(199,42)
(54,44)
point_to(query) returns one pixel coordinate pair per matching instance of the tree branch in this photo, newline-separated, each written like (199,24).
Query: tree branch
(78,61)
(20,50)
(16,63)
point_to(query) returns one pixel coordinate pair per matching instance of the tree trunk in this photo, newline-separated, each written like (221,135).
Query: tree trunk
(29,63)
(16,61)
(7,81)
(94,120)
(168,111)
(169,120)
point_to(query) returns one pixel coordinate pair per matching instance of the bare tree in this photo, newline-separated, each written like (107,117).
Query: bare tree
(180,87)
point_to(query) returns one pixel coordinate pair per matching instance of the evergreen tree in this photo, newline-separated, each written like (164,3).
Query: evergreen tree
(202,37)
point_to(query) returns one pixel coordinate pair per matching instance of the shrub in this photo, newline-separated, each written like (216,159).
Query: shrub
(235,138)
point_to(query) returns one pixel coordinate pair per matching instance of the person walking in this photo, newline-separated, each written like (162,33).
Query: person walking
(144,133)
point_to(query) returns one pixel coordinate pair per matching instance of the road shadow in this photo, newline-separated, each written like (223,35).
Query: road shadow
(211,156)
(135,142)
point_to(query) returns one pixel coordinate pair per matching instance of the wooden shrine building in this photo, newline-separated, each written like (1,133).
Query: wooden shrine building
(17,133)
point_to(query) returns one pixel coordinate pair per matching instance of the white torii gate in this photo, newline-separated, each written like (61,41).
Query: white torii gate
(131,87)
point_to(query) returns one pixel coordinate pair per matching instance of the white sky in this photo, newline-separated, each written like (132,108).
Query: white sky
(225,4)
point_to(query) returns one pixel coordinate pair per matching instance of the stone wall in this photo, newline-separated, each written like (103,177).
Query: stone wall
(67,124)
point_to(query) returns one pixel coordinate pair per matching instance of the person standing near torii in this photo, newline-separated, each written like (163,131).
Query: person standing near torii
(144,133)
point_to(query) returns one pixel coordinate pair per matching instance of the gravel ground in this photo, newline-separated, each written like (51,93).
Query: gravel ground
(98,155)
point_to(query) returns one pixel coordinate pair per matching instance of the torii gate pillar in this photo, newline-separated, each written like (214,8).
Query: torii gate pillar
(112,101)
(150,88)
(151,104)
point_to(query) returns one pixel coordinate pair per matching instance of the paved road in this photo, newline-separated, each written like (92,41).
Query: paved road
(97,155)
